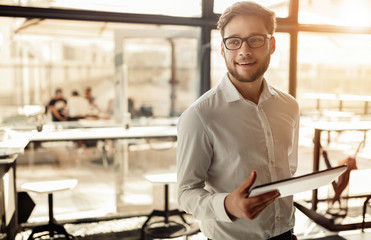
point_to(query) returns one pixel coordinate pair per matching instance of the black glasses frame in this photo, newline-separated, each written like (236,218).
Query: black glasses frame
(266,36)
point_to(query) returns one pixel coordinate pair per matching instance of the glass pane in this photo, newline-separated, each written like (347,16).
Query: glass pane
(335,12)
(281,8)
(278,71)
(162,74)
(41,55)
(189,8)
(38,56)
(332,67)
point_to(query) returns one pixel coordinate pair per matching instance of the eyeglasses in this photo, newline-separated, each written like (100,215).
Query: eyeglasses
(254,41)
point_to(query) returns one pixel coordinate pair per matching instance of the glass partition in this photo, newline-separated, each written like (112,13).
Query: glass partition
(189,8)
(281,8)
(161,75)
(333,71)
(335,12)
(38,56)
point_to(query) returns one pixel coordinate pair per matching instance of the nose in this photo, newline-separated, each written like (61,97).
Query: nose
(245,49)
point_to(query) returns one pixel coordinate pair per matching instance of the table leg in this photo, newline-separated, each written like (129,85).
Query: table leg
(32,154)
(316,156)
(366,108)
(121,165)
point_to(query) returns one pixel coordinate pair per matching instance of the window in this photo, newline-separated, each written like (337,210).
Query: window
(334,64)
(335,12)
(42,55)
(189,8)
(281,8)
(162,74)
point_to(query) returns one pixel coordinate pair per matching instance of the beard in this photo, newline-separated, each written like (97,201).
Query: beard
(259,72)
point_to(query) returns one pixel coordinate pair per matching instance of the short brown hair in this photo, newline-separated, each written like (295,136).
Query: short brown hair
(247,8)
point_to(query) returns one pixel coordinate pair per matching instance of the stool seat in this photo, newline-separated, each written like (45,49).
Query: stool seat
(52,228)
(50,186)
(162,178)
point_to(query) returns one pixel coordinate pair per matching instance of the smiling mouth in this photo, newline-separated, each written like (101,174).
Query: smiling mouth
(245,63)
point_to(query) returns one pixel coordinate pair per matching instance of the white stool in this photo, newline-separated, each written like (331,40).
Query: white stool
(165,228)
(50,187)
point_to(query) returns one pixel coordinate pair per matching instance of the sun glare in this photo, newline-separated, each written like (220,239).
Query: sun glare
(354,14)
(168,7)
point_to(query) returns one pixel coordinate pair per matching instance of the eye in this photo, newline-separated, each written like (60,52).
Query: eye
(233,41)
(256,39)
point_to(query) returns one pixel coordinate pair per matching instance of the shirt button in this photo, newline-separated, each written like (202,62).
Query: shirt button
(272,163)
(277,218)
(268,134)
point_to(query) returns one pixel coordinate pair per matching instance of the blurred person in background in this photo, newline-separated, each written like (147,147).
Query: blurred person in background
(78,107)
(94,109)
(58,106)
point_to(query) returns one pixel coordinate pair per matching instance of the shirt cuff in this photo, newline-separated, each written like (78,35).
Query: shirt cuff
(219,209)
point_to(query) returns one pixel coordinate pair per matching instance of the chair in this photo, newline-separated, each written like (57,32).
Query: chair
(366,204)
(52,228)
(165,228)
(340,185)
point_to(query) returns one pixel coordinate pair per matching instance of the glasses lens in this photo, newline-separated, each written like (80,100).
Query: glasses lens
(256,41)
(233,43)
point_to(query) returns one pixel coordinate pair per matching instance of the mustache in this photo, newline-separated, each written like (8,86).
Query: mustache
(240,59)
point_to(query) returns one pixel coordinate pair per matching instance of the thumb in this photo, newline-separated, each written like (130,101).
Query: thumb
(245,187)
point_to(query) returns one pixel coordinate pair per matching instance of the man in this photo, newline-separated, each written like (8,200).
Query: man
(241,133)
(78,107)
(58,106)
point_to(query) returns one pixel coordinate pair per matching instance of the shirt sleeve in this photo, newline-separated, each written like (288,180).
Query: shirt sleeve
(194,156)
(51,102)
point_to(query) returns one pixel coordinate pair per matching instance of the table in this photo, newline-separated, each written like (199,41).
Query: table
(112,133)
(8,198)
(341,98)
(312,212)
(120,136)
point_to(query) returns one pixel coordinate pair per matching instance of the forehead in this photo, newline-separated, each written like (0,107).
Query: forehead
(244,26)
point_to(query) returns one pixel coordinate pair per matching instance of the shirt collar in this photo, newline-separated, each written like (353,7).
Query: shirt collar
(231,93)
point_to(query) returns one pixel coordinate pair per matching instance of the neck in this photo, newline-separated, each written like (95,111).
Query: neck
(249,90)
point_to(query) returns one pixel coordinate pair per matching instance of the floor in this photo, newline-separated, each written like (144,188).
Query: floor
(95,198)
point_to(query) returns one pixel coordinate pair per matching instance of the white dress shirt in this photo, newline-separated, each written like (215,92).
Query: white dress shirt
(78,106)
(222,138)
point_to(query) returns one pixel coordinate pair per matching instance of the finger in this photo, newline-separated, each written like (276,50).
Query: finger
(245,187)
(256,210)
(262,206)
(268,195)
(262,200)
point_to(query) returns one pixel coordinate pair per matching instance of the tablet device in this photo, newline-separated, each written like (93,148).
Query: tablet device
(302,183)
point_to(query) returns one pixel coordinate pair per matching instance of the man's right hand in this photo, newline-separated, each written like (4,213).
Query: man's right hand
(239,205)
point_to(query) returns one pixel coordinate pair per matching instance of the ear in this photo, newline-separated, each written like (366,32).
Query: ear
(272,42)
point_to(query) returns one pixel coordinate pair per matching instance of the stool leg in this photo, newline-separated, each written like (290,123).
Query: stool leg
(51,214)
(50,204)
(166,199)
